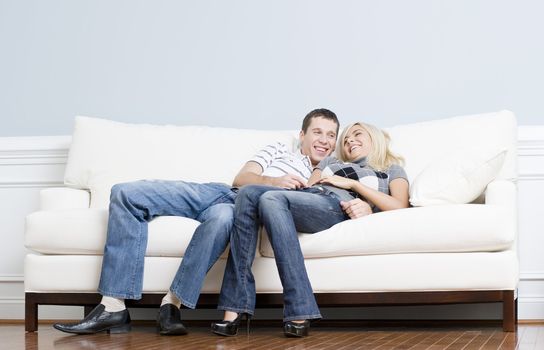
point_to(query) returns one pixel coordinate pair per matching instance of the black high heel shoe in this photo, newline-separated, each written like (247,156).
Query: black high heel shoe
(296,330)
(230,328)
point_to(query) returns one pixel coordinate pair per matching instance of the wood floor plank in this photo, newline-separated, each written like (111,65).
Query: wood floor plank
(495,341)
(449,338)
(539,340)
(529,337)
(410,342)
(370,339)
(511,341)
(478,342)
(389,340)
(461,341)
(433,338)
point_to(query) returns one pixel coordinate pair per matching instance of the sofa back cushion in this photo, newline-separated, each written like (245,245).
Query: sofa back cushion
(105,152)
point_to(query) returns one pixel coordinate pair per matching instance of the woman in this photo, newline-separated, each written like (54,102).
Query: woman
(365,168)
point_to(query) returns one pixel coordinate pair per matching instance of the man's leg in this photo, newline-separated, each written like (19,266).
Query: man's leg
(208,243)
(132,206)
(238,289)
(283,214)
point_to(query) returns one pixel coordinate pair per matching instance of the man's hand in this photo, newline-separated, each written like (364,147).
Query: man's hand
(356,208)
(289,181)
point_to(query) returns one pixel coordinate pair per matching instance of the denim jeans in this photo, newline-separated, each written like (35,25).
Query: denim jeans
(134,204)
(283,213)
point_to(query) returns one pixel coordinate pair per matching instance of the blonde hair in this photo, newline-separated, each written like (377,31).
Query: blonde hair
(380,156)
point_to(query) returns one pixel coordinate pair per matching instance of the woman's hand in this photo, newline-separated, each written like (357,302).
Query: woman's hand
(356,208)
(338,181)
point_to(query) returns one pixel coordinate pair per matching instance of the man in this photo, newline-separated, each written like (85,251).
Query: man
(133,205)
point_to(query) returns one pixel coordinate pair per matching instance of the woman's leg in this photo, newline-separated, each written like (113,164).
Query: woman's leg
(283,214)
(238,289)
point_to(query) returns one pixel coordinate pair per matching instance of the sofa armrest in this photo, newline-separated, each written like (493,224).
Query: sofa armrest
(504,193)
(501,192)
(64,198)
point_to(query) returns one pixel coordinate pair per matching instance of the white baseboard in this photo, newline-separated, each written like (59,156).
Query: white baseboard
(531,308)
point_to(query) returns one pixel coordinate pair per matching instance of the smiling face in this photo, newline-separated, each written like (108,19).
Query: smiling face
(319,139)
(357,143)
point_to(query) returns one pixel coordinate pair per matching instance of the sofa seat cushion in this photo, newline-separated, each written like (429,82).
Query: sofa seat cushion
(447,228)
(83,231)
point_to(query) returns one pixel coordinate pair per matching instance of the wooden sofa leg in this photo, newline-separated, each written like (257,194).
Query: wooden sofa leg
(31,313)
(509,312)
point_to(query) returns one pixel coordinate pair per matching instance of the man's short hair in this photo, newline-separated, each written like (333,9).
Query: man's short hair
(320,112)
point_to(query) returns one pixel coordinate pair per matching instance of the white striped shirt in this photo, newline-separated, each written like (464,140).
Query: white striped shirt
(277,160)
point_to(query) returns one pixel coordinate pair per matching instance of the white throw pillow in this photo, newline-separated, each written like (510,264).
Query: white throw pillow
(456,178)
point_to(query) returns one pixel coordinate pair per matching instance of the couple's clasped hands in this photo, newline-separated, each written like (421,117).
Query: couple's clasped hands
(354,208)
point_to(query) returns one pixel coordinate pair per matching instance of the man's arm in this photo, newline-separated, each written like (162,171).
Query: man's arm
(316,175)
(251,174)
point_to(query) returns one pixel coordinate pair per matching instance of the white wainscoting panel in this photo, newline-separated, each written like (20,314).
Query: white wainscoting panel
(531,221)
(29,164)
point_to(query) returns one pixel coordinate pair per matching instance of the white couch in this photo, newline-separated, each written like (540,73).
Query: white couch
(443,251)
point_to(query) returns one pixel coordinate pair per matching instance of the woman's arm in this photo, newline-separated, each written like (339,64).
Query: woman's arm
(396,200)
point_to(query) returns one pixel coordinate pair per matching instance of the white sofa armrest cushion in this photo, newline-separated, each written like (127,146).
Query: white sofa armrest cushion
(501,192)
(58,198)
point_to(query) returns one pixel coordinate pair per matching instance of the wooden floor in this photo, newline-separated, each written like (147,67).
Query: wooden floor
(261,338)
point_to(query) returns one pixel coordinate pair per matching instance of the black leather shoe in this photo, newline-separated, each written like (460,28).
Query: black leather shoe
(230,328)
(296,330)
(99,320)
(169,321)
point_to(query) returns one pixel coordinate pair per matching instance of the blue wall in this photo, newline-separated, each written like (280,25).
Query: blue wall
(264,64)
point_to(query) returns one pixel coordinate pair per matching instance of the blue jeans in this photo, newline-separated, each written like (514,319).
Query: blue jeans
(134,204)
(283,213)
